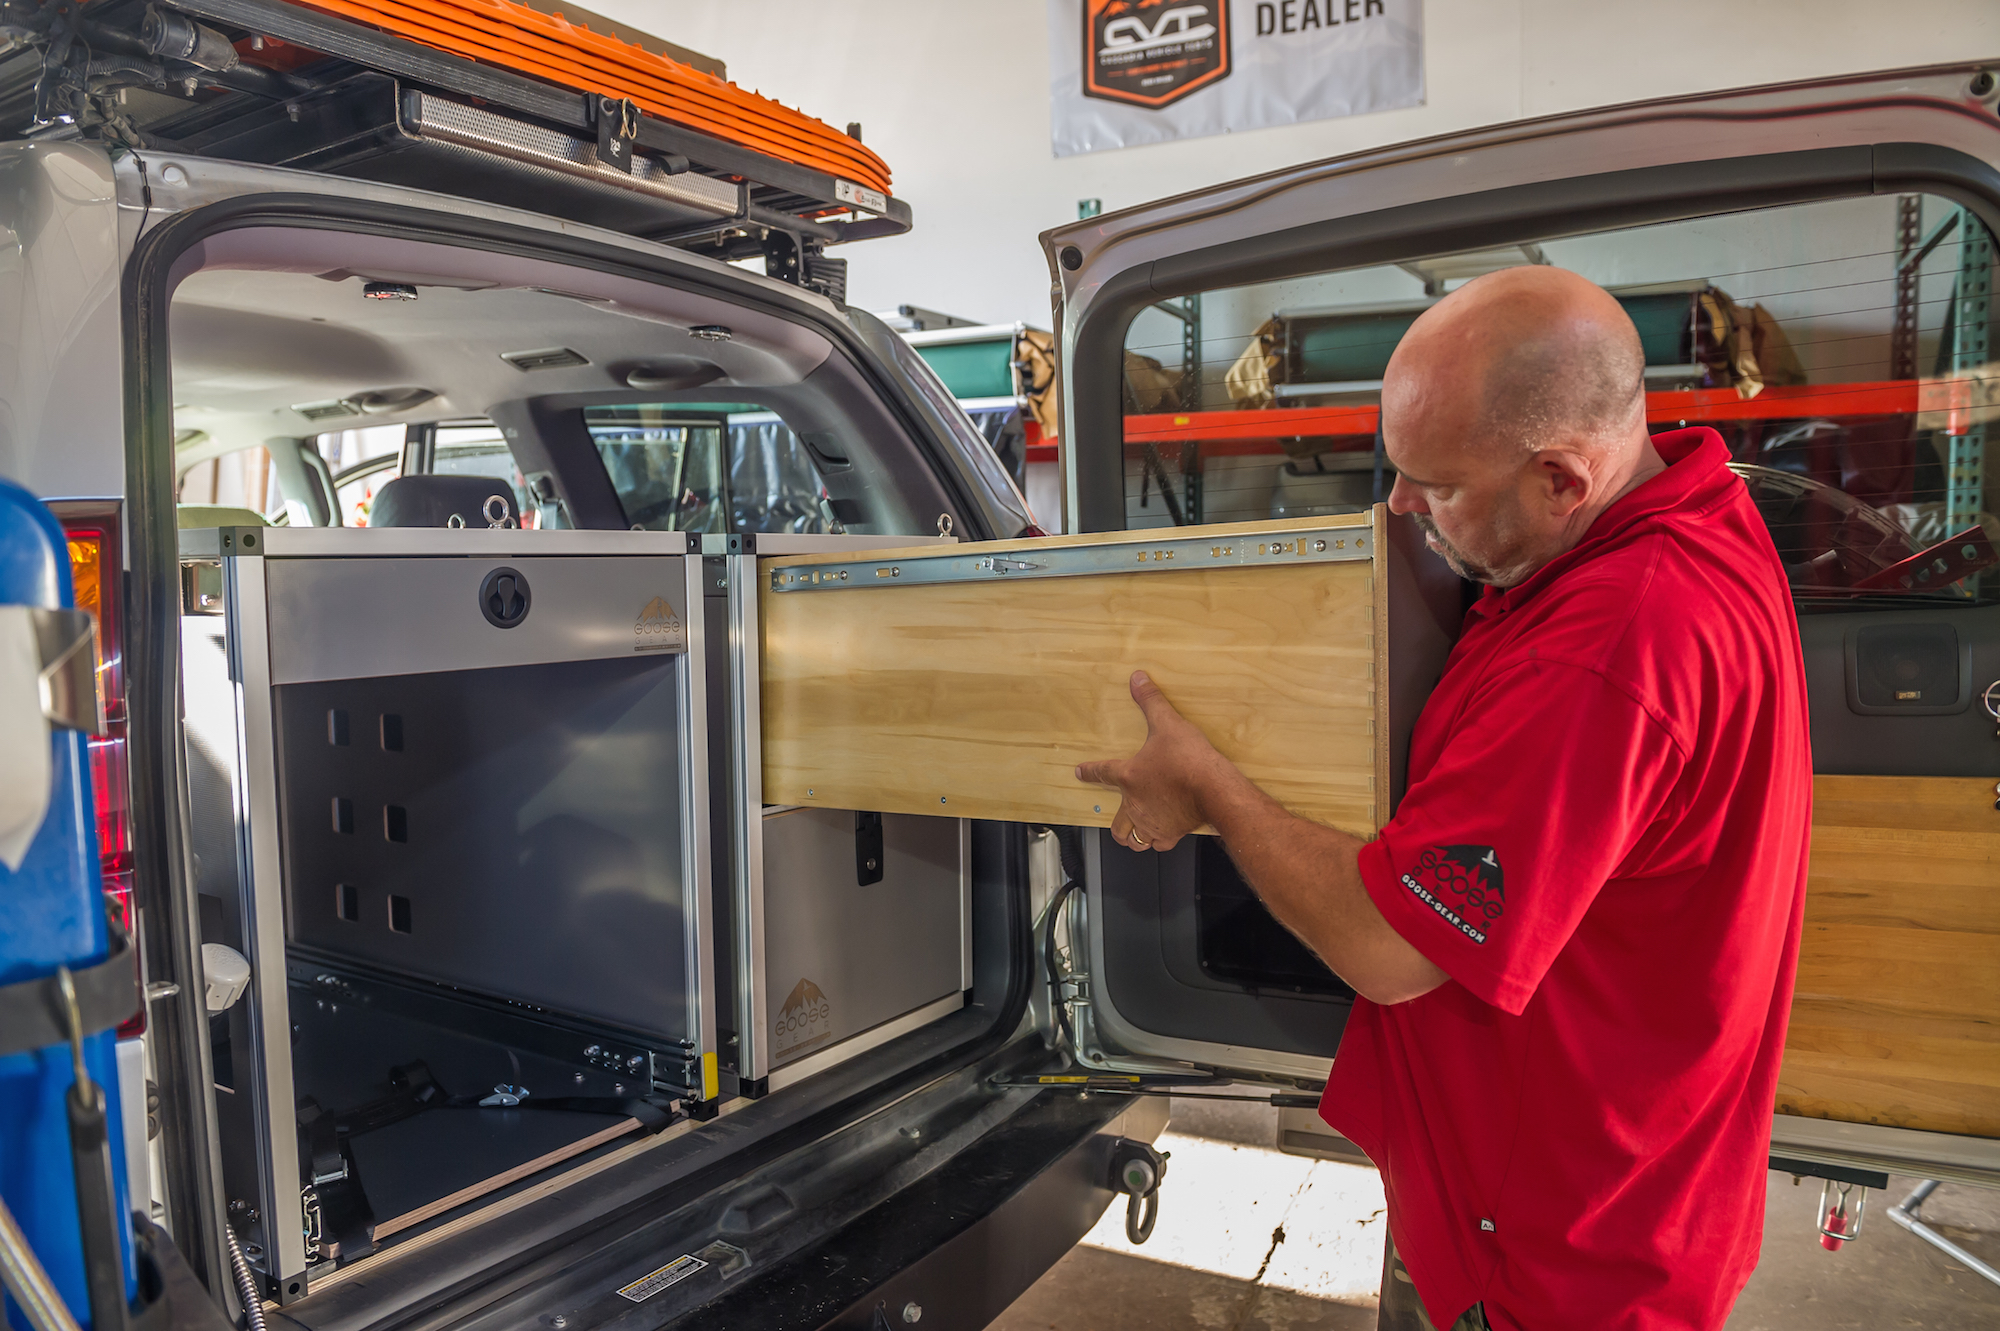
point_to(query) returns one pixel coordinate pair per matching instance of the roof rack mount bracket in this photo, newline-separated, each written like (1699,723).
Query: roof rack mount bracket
(618,129)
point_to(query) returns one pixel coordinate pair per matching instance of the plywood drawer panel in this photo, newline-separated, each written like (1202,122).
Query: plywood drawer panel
(977,699)
(1896,1019)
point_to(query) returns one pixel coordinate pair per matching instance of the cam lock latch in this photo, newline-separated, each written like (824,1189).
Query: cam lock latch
(868,849)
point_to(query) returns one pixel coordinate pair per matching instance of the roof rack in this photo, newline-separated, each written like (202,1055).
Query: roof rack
(497,102)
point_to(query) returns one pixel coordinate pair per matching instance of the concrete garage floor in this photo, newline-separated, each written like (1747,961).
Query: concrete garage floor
(1249,1239)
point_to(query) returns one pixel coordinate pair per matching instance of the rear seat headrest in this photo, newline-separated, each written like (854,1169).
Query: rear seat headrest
(434,501)
(217,515)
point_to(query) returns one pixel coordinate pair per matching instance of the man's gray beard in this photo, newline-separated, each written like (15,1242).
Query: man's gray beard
(1454,558)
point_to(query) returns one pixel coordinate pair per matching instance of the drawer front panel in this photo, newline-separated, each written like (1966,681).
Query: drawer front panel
(978,698)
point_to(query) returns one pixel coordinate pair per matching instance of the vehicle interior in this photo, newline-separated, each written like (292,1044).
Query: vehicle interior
(1840,348)
(603,404)
(494,946)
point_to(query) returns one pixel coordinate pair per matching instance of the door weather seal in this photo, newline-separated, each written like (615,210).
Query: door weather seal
(1069,985)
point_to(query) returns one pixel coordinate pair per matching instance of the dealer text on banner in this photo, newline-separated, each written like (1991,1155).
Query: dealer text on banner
(1127,72)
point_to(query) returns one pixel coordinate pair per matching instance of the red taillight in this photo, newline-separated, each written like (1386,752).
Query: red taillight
(1030,530)
(1040,446)
(97,572)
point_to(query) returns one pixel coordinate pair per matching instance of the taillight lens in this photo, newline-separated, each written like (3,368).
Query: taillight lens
(97,572)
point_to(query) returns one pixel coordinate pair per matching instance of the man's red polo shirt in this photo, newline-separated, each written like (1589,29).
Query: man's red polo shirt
(1603,844)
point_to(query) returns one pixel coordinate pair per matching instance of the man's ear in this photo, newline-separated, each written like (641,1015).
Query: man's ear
(1565,480)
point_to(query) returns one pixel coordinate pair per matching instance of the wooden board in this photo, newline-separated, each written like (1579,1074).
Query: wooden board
(978,699)
(1897,1015)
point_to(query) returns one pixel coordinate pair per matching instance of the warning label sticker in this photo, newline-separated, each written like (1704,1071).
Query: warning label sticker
(679,1269)
(860,196)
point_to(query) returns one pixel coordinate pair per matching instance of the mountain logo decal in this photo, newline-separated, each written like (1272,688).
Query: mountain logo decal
(658,628)
(805,1022)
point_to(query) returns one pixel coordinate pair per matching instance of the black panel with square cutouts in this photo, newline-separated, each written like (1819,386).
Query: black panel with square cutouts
(515,832)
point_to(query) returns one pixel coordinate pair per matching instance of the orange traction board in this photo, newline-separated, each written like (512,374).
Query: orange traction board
(547,47)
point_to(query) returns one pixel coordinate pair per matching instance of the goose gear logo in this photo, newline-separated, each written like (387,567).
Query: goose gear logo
(658,628)
(804,1022)
(1152,53)
(1463,884)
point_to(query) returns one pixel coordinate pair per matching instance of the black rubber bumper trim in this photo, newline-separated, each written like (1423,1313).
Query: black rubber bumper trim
(966,1241)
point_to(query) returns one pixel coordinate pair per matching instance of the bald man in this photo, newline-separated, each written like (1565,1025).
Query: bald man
(1574,941)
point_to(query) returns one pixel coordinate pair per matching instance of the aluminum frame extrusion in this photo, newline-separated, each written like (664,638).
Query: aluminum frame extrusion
(1328,545)
(753,1009)
(746,818)
(261,907)
(699,940)
(437,119)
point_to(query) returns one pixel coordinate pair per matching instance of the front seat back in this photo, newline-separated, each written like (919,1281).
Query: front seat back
(445,501)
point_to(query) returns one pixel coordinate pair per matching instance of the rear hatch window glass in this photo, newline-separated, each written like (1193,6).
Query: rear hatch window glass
(363,461)
(243,479)
(725,467)
(1841,348)
(477,448)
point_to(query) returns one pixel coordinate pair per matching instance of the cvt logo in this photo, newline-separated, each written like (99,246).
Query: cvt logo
(658,628)
(1152,53)
(1182,24)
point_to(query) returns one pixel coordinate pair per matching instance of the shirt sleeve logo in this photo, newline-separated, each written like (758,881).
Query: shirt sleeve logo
(1463,884)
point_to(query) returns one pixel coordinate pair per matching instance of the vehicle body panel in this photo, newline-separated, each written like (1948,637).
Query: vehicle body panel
(59,431)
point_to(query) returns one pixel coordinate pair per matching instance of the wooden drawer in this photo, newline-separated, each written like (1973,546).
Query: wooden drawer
(1303,648)
(977,697)
(1897,1016)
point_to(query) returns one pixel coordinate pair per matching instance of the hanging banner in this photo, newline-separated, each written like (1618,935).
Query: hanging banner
(1127,72)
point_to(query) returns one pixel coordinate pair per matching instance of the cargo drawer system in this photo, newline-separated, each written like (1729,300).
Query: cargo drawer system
(537,839)
(451,802)
(850,924)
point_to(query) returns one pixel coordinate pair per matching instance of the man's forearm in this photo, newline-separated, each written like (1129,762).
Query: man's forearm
(1309,877)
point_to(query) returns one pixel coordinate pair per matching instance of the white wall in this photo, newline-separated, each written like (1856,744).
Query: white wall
(954,94)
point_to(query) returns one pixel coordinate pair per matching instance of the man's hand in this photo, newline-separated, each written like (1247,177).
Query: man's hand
(1165,785)
(1307,874)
